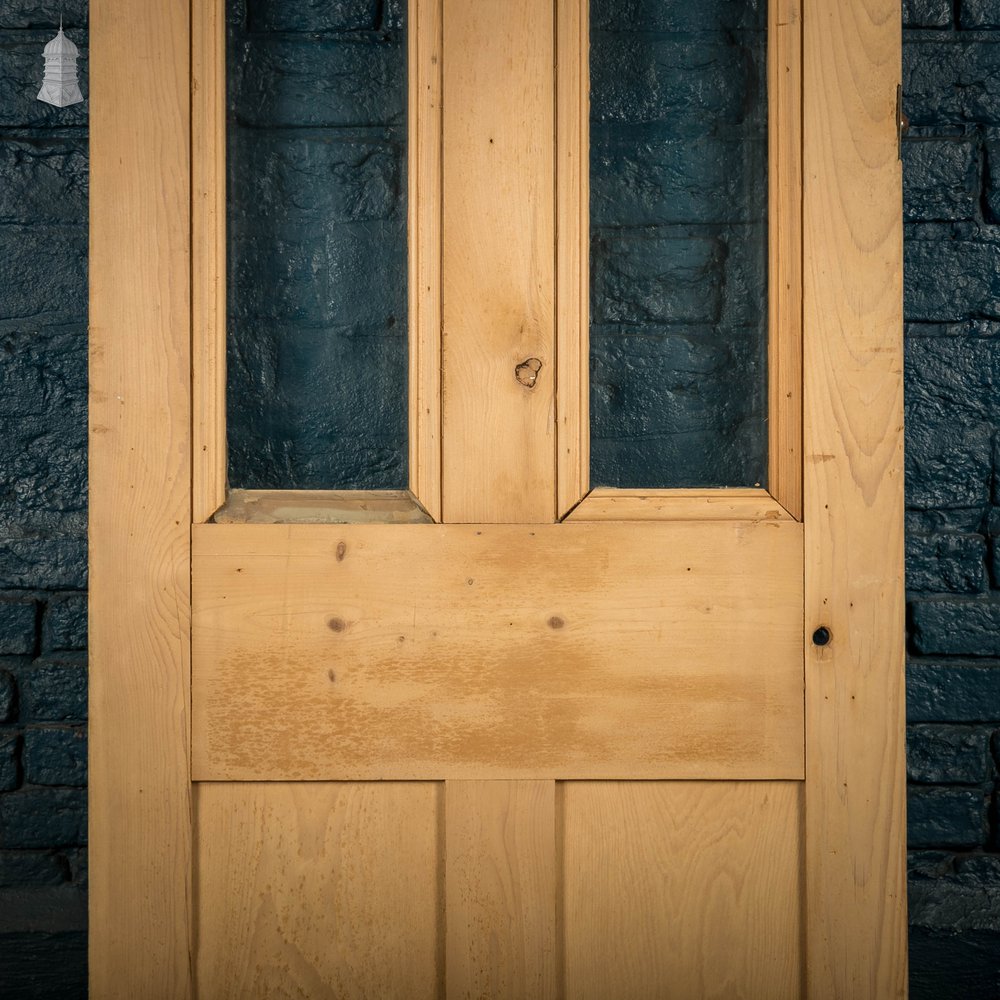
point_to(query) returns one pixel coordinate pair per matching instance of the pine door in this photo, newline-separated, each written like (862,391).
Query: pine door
(500,734)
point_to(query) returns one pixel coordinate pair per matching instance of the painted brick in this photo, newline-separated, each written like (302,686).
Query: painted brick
(45,965)
(288,433)
(991,187)
(941,180)
(43,410)
(43,180)
(952,691)
(17,625)
(681,274)
(698,424)
(979,14)
(639,278)
(8,696)
(677,15)
(314,275)
(940,755)
(956,626)
(948,80)
(10,754)
(77,860)
(946,964)
(37,563)
(64,624)
(963,520)
(21,69)
(49,284)
(956,894)
(317,81)
(952,369)
(954,928)
(647,176)
(948,464)
(927,13)
(698,85)
(43,817)
(55,756)
(20,868)
(950,272)
(39,14)
(945,817)
(54,689)
(314,15)
(313,179)
(946,562)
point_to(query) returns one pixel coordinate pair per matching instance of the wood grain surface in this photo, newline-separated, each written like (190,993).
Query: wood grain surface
(140,501)
(682,890)
(464,651)
(855,788)
(319,891)
(499,261)
(501,880)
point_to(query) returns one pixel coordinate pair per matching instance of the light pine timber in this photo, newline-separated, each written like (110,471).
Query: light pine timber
(682,890)
(424,227)
(855,783)
(320,891)
(504,651)
(784,84)
(321,507)
(208,250)
(499,251)
(572,251)
(140,502)
(679,505)
(501,890)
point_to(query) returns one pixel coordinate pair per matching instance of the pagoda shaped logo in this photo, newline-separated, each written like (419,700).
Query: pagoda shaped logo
(59,85)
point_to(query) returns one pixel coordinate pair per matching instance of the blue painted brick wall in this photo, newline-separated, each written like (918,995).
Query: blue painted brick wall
(43,496)
(952,205)
(951,82)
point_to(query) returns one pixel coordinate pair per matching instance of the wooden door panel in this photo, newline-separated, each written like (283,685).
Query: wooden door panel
(681,890)
(460,651)
(501,884)
(319,890)
(577,889)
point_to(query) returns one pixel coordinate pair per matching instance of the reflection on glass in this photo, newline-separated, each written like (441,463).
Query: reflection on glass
(678,300)
(316,395)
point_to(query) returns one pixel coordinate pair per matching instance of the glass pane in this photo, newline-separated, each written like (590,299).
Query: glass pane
(316,395)
(678,243)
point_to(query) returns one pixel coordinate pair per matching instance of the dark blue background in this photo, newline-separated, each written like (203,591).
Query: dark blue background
(952,169)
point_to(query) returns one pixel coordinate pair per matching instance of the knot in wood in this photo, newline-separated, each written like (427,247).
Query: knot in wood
(527,372)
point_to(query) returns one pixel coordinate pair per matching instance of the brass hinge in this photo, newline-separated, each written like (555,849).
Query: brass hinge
(902,122)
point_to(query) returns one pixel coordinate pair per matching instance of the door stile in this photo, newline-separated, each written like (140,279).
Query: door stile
(855,781)
(140,503)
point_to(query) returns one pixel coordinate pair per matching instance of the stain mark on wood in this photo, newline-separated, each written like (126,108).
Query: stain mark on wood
(337,624)
(341,551)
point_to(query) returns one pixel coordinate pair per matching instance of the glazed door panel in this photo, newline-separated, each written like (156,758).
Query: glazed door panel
(504,736)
